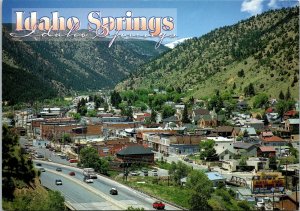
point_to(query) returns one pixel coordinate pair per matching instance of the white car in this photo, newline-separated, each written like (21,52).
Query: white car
(88,180)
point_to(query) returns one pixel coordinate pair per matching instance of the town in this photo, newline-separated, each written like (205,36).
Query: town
(157,141)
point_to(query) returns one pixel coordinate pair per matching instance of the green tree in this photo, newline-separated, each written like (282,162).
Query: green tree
(15,166)
(234,86)
(115,99)
(185,115)
(260,100)
(288,94)
(281,95)
(153,116)
(201,189)
(167,111)
(273,163)
(265,118)
(207,150)
(243,163)
(89,158)
(66,138)
(179,171)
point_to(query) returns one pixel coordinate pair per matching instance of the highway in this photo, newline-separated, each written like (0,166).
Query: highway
(97,197)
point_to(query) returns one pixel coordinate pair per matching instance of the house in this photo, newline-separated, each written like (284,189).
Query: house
(295,140)
(198,113)
(207,121)
(230,164)
(141,117)
(226,155)
(224,131)
(290,114)
(242,105)
(258,163)
(241,131)
(292,125)
(266,151)
(273,141)
(171,119)
(216,178)
(251,140)
(245,149)
(255,123)
(265,134)
(136,154)
(289,202)
(222,143)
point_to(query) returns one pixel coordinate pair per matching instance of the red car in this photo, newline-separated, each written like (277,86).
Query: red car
(158,205)
(72,173)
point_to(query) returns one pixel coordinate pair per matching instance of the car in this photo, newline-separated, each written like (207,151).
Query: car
(134,173)
(145,170)
(158,205)
(113,191)
(42,169)
(38,164)
(88,180)
(58,182)
(58,169)
(72,173)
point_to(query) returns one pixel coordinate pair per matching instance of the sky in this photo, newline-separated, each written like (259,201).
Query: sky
(193,17)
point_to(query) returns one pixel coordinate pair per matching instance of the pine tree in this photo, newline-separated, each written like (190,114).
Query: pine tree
(288,94)
(281,95)
(153,116)
(185,115)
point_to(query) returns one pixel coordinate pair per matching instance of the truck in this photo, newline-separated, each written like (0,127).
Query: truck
(89,173)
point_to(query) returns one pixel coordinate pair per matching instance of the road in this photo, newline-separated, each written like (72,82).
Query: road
(78,196)
(126,195)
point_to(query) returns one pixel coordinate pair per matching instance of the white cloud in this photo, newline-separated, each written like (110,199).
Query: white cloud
(273,4)
(253,7)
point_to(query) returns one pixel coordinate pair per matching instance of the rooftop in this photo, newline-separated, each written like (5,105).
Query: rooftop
(214,176)
(135,150)
(272,139)
(267,149)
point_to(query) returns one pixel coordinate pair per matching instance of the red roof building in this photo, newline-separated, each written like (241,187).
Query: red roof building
(266,151)
(290,114)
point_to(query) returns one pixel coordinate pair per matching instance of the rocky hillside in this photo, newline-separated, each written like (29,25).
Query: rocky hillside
(262,50)
(43,69)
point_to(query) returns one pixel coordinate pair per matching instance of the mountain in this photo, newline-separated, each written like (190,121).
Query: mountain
(41,69)
(262,50)
(177,42)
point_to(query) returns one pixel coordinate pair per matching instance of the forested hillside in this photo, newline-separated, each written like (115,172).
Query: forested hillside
(21,188)
(41,69)
(262,50)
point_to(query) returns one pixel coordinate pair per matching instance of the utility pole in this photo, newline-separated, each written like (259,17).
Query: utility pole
(286,175)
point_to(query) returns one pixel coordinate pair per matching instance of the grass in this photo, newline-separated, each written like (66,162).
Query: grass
(173,193)
(163,165)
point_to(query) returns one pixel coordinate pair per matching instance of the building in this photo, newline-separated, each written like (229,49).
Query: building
(136,154)
(292,125)
(263,182)
(224,131)
(216,178)
(266,151)
(244,131)
(274,141)
(245,149)
(258,163)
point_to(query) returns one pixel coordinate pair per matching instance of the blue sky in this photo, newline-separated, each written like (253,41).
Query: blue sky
(194,18)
